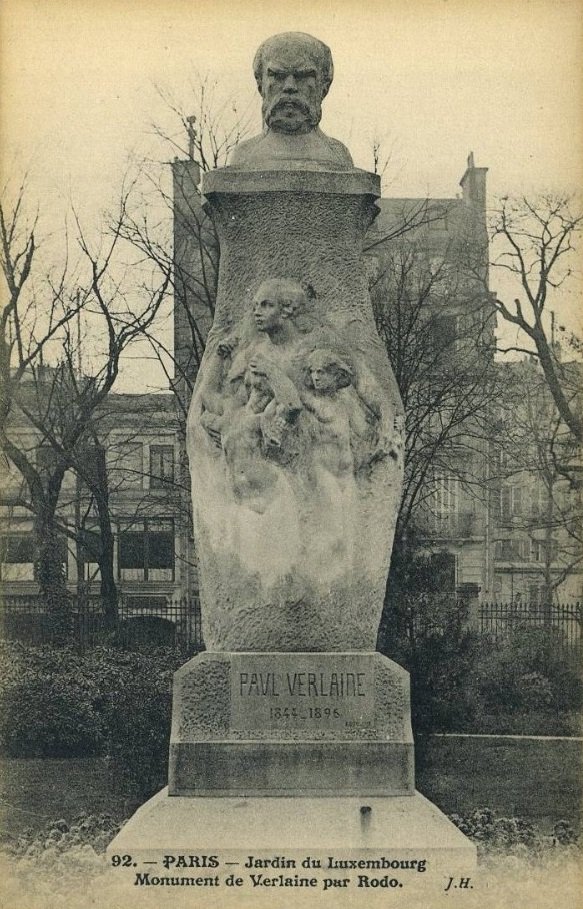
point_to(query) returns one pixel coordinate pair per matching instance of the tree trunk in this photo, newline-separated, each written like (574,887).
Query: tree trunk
(108,590)
(51,578)
(548,554)
(568,413)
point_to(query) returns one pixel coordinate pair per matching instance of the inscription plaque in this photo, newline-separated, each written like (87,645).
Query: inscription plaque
(302,691)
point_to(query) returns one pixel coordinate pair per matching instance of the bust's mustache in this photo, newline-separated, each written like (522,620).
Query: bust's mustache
(283,102)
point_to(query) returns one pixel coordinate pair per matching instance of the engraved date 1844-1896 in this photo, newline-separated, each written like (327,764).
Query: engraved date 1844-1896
(309,713)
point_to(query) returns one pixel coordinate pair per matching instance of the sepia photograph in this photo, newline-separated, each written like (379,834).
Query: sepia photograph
(291,478)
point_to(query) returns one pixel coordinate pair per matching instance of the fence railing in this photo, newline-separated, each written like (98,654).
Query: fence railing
(176,623)
(563,621)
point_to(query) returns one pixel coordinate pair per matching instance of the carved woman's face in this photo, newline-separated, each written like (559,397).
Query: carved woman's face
(267,313)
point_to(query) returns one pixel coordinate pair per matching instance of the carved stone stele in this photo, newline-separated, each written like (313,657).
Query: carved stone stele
(294,431)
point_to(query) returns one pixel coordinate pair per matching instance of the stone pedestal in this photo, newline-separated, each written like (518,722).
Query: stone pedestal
(296,755)
(277,724)
(398,829)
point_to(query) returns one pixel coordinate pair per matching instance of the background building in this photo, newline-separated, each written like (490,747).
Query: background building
(152,559)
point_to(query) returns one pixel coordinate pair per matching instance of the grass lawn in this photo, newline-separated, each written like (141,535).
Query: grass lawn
(34,791)
(538,780)
(535,779)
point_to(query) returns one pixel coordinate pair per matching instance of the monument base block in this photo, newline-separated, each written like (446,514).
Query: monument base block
(398,836)
(283,724)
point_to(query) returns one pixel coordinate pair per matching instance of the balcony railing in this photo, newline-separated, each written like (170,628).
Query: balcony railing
(453,525)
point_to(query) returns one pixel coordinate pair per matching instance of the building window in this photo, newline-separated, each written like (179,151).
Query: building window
(503,459)
(540,549)
(444,333)
(12,482)
(536,502)
(161,466)
(127,465)
(506,550)
(146,550)
(512,551)
(90,551)
(445,495)
(443,508)
(511,502)
(18,556)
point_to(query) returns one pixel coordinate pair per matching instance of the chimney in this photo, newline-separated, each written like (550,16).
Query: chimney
(473,184)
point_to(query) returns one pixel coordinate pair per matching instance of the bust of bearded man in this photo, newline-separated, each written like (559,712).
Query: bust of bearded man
(293,72)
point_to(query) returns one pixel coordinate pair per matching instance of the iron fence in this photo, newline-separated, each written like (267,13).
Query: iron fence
(140,621)
(562,621)
(158,620)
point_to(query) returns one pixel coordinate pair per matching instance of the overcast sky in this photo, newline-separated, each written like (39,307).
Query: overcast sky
(434,78)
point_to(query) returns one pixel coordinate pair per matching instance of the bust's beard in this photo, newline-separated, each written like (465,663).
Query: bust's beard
(273,118)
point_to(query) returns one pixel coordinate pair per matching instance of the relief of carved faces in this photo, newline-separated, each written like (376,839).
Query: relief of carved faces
(293,73)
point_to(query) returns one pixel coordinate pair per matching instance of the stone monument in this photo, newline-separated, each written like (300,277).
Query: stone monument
(295,443)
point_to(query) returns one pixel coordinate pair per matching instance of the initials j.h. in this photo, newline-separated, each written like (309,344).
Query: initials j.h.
(462,883)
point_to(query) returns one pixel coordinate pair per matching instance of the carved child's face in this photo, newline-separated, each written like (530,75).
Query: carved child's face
(267,312)
(292,91)
(323,379)
(257,382)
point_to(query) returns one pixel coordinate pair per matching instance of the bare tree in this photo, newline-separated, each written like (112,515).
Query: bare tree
(30,324)
(408,217)
(43,388)
(536,241)
(438,332)
(535,500)
(171,227)
(437,327)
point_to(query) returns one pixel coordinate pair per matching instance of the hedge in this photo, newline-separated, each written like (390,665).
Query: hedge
(57,703)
